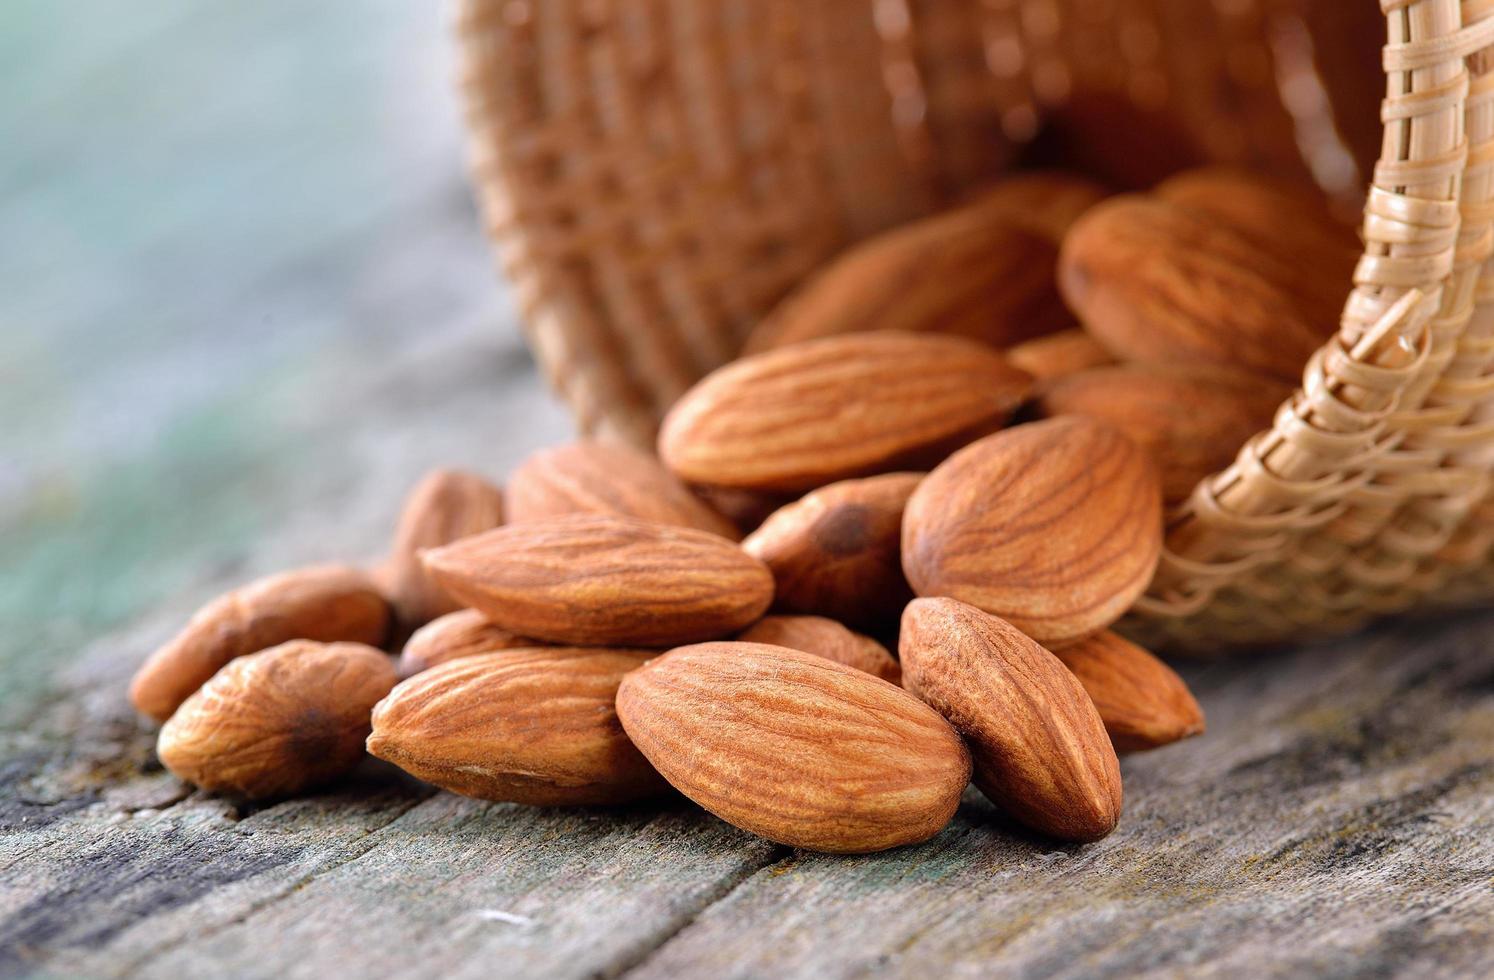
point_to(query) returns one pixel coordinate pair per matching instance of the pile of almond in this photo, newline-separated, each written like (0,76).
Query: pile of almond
(600,631)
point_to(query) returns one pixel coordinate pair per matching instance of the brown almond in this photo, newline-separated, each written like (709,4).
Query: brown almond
(1192,419)
(1040,749)
(1058,354)
(536,726)
(1142,702)
(464,633)
(606,581)
(837,552)
(745,509)
(278,721)
(591,477)
(825,638)
(797,418)
(1156,281)
(320,602)
(445,506)
(796,748)
(1055,526)
(1047,202)
(971,272)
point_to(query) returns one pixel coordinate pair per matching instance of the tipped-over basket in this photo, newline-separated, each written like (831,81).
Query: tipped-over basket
(657,173)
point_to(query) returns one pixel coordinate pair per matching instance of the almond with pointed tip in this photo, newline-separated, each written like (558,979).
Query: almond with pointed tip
(1143,702)
(837,551)
(971,272)
(445,506)
(799,417)
(1059,354)
(590,477)
(796,748)
(536,725)
(1155,281)
(1055,526)
(464,633)
(1040,749)
(279,721)
(1044,201)
(1192,419)
(320,602)
(825,638)
(593,580)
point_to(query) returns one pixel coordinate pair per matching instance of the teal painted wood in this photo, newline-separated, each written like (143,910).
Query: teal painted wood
(243,305)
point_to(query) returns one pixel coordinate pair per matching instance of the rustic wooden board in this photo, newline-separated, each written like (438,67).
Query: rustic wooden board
(245,304)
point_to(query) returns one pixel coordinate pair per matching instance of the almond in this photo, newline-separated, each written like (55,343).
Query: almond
(1142,702)
(971,272)
(1192,419)
(1054,526)
(745,509)
(1156,281)
(606,581)
(825,638)
(838,551)
(794,747)
(445,506)
(536,726)
(1058,354)
(321,602)
(799,417)
(464,633)
(602,478)
(1044,201)
(1040,748)
(278,721)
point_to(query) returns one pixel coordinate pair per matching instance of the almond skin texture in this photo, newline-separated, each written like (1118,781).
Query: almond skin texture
(799,417)
(464,633)
(1142,702)
(1054,526)
(278,721)
(1193,420)
(603,478)
(606,581)
(1056,355)
(321,602)
(796,748)
(825,638)
(445,506)
(1044,201)
(838,551)
(1041,752)
(971,272)
(1155,281)
(536,726)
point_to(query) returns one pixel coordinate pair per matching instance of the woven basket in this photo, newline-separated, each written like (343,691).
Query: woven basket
(657,173)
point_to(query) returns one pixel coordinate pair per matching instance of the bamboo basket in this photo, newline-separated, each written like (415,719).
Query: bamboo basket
(658,173)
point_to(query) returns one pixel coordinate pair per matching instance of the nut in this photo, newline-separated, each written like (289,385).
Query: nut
(1191,419)
(605,581)
(796,418)
(1055,526)
(1142,702)
(536,726)
(321,602)
(825,638)
(1059,354)
(971,272)
(1040,749)
(838,551)
(794,747)
(1047,202)
(601,478)
(1156,281)
(278,721)
(444,507)
(464,633)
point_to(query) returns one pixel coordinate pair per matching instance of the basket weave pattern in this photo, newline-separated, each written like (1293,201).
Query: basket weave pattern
(658,173)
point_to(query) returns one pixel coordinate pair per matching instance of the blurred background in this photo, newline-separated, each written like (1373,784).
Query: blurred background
(233,237)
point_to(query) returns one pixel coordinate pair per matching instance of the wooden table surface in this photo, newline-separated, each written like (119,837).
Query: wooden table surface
(244,303)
